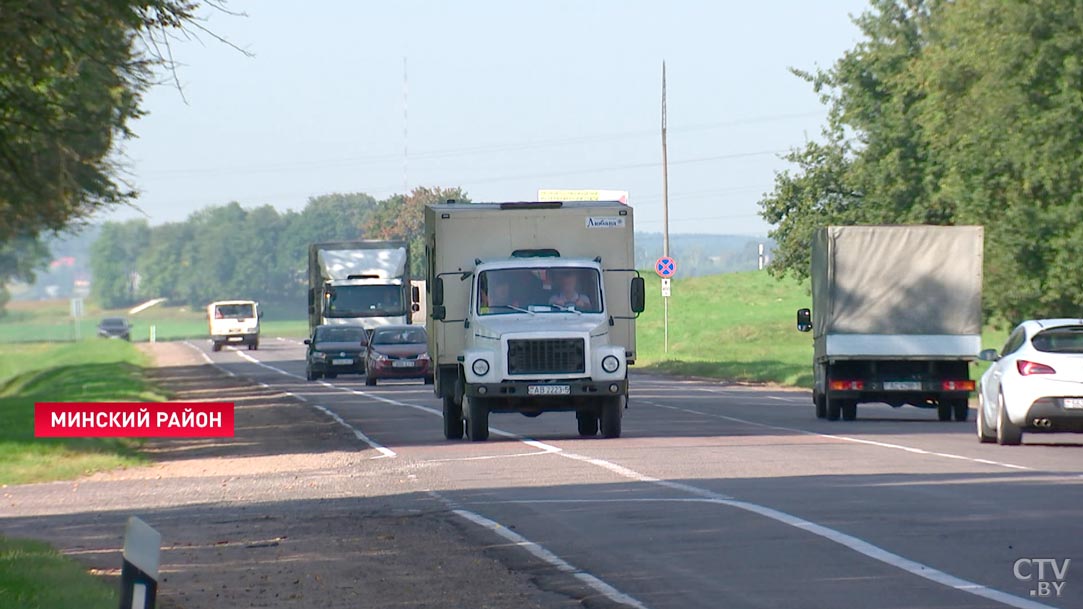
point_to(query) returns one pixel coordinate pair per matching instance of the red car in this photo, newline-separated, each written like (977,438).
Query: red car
(398,352)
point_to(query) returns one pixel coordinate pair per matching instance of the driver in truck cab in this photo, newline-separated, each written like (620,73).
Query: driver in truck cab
(568,294)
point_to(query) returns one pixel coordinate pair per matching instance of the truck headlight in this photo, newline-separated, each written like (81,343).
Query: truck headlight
(610,363)
(480,367)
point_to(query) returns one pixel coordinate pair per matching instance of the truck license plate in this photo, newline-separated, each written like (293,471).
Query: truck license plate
(549,390)
(402,364)
(1073,403)
(902,386)
(342,362)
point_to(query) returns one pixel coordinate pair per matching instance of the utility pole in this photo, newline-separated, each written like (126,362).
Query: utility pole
(665,171)
(665,213)
(405,129)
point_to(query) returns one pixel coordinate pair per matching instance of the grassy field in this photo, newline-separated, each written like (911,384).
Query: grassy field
(50,321)
(60,372)
(34,575)
(736,326)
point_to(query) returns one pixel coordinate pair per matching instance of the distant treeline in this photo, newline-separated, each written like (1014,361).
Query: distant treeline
(700,254)
(255,253)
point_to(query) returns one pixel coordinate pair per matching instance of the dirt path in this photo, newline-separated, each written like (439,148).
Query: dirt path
(289,513)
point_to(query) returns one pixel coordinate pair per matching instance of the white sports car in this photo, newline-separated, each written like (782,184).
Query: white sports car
(1035,382)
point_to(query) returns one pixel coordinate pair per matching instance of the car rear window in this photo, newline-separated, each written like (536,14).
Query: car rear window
(114,322)
(404,336)
(1065,339)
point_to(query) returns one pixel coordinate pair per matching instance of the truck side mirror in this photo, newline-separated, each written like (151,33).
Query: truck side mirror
(438,291)
(260,315)
(415,294)
(638,296)
(439,312)
(989,355)
(308,341)
(804,320)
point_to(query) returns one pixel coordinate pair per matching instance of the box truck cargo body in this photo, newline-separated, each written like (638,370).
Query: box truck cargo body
(532,309)
(896,317)
(364,283)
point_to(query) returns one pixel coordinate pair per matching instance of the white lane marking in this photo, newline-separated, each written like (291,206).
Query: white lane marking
(208,359)
(909,449)
(849,541)
(539,551)
(488,457)
(854,543)
(384,451)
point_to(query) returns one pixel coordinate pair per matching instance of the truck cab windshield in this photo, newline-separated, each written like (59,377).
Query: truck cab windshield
(539,290)
(364,301)
(234,311)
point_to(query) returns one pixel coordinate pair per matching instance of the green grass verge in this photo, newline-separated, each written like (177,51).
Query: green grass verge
(736,326)
(85,371)
(35,576)
(51,321)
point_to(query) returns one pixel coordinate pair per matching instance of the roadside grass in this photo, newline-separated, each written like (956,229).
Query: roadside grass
(739,327)
(34,575)
(62,372)
(51,321)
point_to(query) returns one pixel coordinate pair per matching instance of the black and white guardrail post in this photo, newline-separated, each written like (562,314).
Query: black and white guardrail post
(139,576)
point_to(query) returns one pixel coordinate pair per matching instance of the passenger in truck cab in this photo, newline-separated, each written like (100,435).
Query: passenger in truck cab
(568,294)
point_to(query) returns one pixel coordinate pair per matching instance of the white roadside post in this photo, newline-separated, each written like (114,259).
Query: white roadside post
(76,315)
(139,575)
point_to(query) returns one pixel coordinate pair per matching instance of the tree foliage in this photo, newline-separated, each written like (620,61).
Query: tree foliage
(403,217)
(19,257)
(964,112)
(71,79)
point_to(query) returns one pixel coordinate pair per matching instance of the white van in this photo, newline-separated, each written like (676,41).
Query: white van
(235,322)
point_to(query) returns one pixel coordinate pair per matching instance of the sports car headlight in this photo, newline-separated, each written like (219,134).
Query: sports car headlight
(480,367)
(610,363)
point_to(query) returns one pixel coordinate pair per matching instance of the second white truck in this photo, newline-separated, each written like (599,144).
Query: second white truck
(364,283)
(532,309)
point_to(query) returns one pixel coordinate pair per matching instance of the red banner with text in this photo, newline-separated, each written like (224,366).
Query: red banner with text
(133,420)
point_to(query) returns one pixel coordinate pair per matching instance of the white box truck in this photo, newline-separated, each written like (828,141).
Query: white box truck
(532,309)
(364,283)
(896,317)
(234,321)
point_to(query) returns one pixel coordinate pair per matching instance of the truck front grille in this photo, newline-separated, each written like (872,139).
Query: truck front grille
(546,356)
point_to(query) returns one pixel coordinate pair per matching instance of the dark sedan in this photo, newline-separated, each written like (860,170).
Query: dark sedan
(115,327)
(335,350)
(398,352)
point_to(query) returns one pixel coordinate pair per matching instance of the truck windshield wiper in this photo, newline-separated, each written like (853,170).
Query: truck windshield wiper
(515,308)
(567,309)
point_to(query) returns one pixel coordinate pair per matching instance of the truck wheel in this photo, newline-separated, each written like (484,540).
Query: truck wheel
(216,346)
(370,381)
(612,412)
(960,409)
(821,405)
(833,407)
(311,374)
(849,410)
(477,419)
(1008,433)
(943,410)
(330,375)
(254,346)
(453,419)
(588,424)
(429,380)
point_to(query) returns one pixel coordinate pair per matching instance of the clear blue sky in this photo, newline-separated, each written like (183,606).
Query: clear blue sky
(504,98)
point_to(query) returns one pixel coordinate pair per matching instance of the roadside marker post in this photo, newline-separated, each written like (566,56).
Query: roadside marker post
(665,267)
(139,575)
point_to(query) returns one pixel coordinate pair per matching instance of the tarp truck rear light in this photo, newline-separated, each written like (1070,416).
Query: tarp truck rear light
(847,385)
(957,385)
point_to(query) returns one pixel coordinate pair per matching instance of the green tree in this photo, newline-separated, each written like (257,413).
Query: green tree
(963,112)
(114,262)
(72,75)
(403,217)
(19,258)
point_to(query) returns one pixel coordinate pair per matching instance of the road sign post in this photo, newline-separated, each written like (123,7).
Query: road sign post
(76,315)
(665,267)
(139,575)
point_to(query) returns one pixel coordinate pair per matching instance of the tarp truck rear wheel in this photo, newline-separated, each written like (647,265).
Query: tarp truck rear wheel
(612,413)
(849,410)
(453,419)
(820,402)
(477,419)
(960,409)
(833,407)
(943,409)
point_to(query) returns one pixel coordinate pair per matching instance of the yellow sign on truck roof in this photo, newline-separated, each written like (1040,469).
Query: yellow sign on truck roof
(557,194)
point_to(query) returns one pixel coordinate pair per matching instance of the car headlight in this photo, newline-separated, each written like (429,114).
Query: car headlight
(480,367)
(610,363)
(319,355)
(376,355)
(423,356)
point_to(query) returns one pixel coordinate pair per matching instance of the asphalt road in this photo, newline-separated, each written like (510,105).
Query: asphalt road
(725,496)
